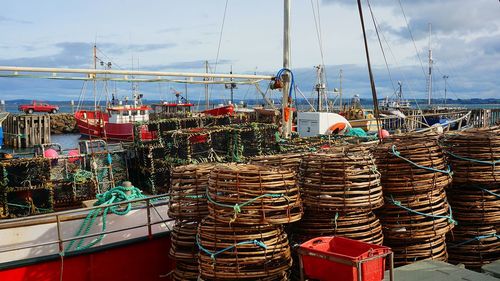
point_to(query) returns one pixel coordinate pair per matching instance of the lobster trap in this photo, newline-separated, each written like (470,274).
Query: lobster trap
(23,172)
(250,195)
(342,179)
(236,252)
(25,201)
(69,194)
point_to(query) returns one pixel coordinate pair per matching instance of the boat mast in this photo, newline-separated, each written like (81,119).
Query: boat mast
(286,128)
(429,78)
(340,90)
(207,102)
(320,87)
(370,73)
(95,76)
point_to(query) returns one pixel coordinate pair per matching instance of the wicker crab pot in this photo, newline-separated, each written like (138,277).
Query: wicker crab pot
(359,226)
(343,179)
(475,156)
(236,252)
(412,164)
(473,246)
(188,192)
(410,251)
(475,204)
(184,250)
(253,195)
(421,216)
(289,161)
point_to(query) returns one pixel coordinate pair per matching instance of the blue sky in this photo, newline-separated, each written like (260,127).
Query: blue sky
(180,35)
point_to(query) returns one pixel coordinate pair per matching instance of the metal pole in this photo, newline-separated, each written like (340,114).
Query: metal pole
(91,72)
(207,101)
(370,73)
(445,77)
(429,94)
(286,124)
(231,85)
(340,89)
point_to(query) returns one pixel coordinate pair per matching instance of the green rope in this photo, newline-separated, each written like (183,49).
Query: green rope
(237,207)
(449,217)
(493,163)
(214,254)
(114,195)
(398,154)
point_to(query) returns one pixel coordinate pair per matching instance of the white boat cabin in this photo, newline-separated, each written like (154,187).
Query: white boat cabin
(128,114)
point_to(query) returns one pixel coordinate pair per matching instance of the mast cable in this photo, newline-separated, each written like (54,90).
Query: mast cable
(412,39)
(375,24)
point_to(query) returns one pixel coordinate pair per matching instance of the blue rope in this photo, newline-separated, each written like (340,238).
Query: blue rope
(292,83)
(214,254)
(398,154)
(449,217)
(493,163)
(489,191)
(237,207)
(477,238)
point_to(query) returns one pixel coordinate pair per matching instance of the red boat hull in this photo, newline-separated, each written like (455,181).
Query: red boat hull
(96,124)
(137,260)
(220,111)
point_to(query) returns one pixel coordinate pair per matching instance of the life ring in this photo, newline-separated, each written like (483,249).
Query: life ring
(337,128)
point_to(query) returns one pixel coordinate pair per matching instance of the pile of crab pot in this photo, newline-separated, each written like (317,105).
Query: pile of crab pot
(188,205)
(475,196)
(242,238)
(416,215)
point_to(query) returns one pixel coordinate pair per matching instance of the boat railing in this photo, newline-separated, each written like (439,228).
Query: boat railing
(59,217)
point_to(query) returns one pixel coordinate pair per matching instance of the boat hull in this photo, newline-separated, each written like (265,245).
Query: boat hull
(134,260)
(96,124)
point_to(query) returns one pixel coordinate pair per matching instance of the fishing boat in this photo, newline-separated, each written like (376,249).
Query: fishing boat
(220,110)
(114,124)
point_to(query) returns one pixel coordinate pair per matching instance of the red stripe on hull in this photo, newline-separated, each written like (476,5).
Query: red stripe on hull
(145,260)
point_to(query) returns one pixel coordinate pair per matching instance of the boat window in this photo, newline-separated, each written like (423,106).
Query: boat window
(125,113)
(134,112)
(143,112)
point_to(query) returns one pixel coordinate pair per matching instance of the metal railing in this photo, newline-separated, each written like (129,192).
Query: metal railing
(59,217)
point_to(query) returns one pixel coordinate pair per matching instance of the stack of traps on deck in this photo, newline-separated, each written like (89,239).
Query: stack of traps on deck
(475,196)
(188,205)
(340,188)
(243,237)
(416,215)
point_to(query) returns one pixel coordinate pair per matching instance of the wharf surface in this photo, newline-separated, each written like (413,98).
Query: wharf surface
(429,270)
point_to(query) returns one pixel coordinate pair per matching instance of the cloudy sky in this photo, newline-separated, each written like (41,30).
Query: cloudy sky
(181,35)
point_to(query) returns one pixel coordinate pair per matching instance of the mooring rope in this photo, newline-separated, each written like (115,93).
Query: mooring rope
(114,195)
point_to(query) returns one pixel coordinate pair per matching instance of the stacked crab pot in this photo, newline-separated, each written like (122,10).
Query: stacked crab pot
(475,196)
(340,188)
(242,238)
(188,205)
(416,215)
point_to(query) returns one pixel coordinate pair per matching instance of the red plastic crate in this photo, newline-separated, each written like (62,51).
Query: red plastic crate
(335,258)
